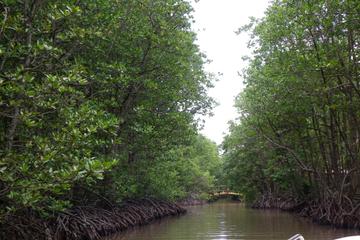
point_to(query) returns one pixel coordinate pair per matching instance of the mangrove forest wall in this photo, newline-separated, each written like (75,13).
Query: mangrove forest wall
(100,102)
(298,133)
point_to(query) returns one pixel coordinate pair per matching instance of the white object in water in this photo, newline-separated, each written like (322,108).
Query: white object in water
(297,237)
(350,238)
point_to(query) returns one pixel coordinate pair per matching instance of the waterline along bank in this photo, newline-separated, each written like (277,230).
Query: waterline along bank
(92,223)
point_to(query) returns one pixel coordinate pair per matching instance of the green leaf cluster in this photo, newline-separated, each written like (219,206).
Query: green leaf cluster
(92,95)
(298,131)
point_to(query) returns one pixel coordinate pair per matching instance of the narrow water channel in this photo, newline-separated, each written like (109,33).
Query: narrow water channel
(230,220)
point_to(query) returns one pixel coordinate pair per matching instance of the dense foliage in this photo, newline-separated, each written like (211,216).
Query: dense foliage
(181,171)
(99,99)
(298,132)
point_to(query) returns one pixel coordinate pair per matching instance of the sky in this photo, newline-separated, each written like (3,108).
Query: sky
(215,23)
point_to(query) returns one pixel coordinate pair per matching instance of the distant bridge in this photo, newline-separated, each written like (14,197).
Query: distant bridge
(224,194)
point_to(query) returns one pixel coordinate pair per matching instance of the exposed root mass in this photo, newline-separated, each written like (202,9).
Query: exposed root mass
(90,223)
(339,211)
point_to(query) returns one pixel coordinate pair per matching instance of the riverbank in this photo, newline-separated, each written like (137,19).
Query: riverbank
(88,222)
(193,200)
(334,211)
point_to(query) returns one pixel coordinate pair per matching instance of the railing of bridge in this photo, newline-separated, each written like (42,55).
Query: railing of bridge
(225,193)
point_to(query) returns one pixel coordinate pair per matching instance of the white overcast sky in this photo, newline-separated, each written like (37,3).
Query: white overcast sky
(215,23)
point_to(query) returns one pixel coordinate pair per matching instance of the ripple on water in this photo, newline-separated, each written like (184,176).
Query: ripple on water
(227,221)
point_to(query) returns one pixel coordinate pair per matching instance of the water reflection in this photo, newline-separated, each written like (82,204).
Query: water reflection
(229,220)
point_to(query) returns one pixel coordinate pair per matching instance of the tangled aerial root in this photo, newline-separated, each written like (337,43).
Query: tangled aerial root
(83,223)
(336,210)
(91,223)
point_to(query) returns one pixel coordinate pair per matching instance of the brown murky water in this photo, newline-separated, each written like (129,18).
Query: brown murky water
(230,220)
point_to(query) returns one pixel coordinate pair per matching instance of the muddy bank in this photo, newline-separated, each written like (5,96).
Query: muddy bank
(194,199)
(338,211)
(88,223)
(272,202)
(192,202)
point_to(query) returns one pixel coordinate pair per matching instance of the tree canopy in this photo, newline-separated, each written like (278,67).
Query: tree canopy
(298,130)
(99,98)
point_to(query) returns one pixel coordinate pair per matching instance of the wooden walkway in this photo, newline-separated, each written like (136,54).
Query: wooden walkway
(225,193)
